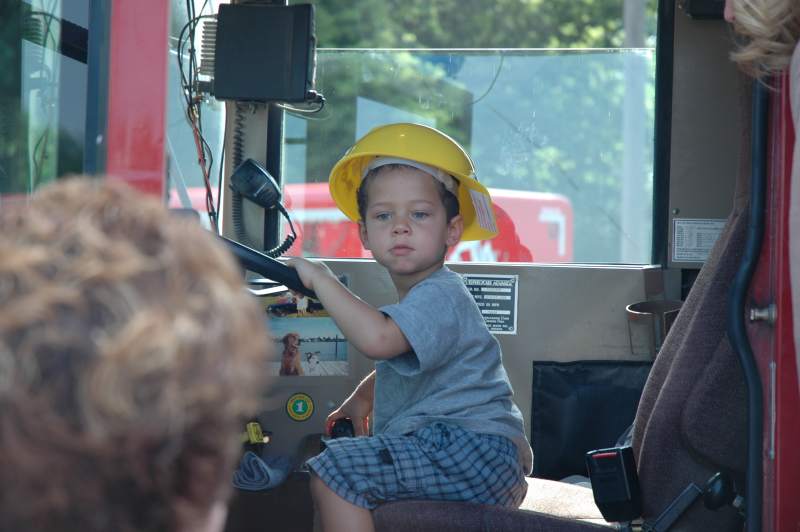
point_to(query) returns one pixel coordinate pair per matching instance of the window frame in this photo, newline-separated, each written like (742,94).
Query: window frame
(664,64)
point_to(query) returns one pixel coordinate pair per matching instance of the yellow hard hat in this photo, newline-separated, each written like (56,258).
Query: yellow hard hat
(425,145)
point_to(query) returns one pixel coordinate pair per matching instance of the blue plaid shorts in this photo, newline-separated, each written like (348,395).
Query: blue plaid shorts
(438,462)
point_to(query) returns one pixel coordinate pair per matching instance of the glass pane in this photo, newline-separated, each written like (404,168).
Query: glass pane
(482,24)
(185,174)
(563,138)
(42,93)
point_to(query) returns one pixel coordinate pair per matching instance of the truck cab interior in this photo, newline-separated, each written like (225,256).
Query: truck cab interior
(639,285)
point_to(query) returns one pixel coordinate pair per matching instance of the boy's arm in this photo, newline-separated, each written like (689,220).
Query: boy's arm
(357,407)
(366,388)
(371,332)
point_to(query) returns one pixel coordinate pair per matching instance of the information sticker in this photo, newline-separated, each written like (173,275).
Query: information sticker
(496,296)
(693,238)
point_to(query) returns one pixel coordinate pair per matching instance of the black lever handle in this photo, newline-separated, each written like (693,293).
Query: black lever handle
(719,491)
(255,261)
(343,428)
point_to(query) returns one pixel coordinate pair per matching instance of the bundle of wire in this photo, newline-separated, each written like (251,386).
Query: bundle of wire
(189,86)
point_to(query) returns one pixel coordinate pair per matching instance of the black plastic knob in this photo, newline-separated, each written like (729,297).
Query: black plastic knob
(719,491)
(342,428)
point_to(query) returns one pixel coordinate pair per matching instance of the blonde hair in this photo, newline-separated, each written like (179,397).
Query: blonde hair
(771,29)
(130,355)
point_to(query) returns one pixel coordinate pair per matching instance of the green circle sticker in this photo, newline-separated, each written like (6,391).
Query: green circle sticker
(300,406)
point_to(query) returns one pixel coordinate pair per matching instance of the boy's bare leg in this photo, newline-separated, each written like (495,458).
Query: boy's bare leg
(337,514)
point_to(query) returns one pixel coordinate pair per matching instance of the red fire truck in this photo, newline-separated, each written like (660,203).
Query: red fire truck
(323,231)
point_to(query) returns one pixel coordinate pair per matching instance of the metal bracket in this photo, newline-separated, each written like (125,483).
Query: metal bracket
(768,314)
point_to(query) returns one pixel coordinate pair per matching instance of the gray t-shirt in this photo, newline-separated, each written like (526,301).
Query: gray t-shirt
(454,373)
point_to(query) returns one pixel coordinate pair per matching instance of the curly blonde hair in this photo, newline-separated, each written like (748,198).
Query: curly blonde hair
(129,356)
(771,29)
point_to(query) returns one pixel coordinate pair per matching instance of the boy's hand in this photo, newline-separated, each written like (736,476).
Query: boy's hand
(309,271)
(369,330)
(358,410)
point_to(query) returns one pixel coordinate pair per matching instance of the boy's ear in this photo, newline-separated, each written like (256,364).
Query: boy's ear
(455,228)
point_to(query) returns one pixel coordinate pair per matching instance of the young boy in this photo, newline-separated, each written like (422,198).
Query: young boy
(444,424)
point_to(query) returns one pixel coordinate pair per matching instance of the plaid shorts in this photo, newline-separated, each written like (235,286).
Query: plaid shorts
(438,462)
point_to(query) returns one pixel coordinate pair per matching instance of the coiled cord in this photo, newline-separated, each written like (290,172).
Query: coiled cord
(237,200)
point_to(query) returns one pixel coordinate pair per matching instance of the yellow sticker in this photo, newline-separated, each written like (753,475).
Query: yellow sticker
(254,433)
(300,406)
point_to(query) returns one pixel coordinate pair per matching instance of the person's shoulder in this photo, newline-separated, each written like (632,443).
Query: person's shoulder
(445,275)
(444,279)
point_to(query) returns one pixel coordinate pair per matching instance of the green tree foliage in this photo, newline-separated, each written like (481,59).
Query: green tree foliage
(473,23)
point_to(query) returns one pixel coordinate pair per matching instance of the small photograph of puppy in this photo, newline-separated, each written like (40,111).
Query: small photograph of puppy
(301,302)
(312,362)
(290,359)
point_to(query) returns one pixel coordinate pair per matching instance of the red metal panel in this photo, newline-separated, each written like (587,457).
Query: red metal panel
(787,463)
(773,345)
(137,93)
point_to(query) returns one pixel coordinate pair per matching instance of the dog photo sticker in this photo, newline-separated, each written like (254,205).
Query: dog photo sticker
(307,341)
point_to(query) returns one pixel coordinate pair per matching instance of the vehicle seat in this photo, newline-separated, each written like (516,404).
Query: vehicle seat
(690,423)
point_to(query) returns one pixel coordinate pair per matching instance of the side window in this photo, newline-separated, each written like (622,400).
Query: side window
(188,161)
(553,100)
(43,57)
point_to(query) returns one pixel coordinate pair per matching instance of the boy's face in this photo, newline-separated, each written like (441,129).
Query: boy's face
(406,226)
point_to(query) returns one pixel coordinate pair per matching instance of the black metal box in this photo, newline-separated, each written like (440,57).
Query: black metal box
(264,52)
